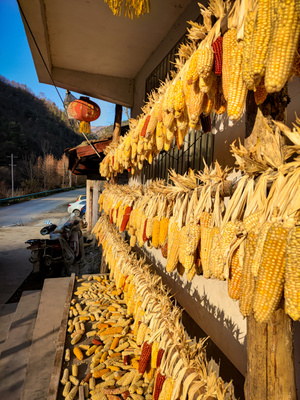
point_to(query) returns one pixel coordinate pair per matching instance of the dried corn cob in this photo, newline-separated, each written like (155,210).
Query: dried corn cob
(237,92)
(260,93)
(145,357)
(163,230)
(179,100)
(269,285)
(292,274)
(229,40)
(217,48)
(234,278)
(282,47)
(261,38)
(247,279)
(205,61)
(194,105)
(192,73)
(155,232)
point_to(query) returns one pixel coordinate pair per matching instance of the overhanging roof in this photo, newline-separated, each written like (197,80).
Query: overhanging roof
(89,50)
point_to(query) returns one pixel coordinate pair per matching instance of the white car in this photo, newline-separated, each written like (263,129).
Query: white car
(76,207)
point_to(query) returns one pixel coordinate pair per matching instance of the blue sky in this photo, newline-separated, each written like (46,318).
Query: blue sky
(16,62)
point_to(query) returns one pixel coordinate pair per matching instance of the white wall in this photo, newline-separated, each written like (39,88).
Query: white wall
(93,189)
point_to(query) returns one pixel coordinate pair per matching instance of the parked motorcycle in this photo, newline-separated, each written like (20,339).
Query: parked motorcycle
(63,248)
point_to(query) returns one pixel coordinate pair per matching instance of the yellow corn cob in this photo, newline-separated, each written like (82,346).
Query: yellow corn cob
(192,73)
(259,247)
(191,273)
(154,352)
(155,232)
(205,61)
(71,395)
(261,39)
(149,227)
(78,353)
(112,331)
(183,121)
(292,275)
(208,105)
(170,134)
(168,120)
(194,105)
(229,40)
(282,47)
(152,122)
(167,389)
(269,284)
(179,100)
(234,279)
(206,240)
(247,278)
(173,247)
(189,237)
(160,132)
(208,84)
(100,373)
(180,135)
(75,370)
(141,333)
(114,343)
(163,230)
(250,222)
(247,70)
(170,98)
(237,93)
(67,389)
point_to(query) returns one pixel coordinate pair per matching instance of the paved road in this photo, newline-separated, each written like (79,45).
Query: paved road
(22,213)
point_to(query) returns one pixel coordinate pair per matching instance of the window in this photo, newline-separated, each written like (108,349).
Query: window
(197,145)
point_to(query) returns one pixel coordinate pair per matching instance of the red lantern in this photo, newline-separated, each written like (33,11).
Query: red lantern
(84,110)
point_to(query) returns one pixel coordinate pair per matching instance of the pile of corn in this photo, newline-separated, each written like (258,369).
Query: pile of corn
(125,339)
(253,243)
(214,73)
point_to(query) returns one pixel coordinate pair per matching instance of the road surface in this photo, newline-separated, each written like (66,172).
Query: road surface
(22,213)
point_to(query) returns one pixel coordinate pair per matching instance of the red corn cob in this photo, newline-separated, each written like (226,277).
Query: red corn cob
(164,249)
(125,218)
(144,232)
(218,50)
(160,379)
(159,357)
(145,357)
(206,123)
(111,216)
(145,126)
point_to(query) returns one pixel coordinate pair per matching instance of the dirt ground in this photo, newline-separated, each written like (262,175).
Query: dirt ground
(16,270)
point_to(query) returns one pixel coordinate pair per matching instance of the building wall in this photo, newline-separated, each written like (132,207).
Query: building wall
(93,189)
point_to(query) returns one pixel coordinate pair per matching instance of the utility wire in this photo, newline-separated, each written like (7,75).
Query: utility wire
(35,42)
(44,62)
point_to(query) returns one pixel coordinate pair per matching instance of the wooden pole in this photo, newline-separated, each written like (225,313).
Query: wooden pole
(270,361)
(116,133)
(117,123)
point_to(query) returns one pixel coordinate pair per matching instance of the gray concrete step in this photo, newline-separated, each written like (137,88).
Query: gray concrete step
(15,351)
(6,316)
(44,340)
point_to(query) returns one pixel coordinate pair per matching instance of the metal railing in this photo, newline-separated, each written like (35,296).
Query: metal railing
(26,197)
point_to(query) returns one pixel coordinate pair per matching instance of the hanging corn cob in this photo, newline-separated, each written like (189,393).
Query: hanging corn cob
(282,47)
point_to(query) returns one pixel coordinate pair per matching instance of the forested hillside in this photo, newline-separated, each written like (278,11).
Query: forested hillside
(35,130)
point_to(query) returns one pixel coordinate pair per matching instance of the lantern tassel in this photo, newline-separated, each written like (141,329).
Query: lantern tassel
(85,127)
